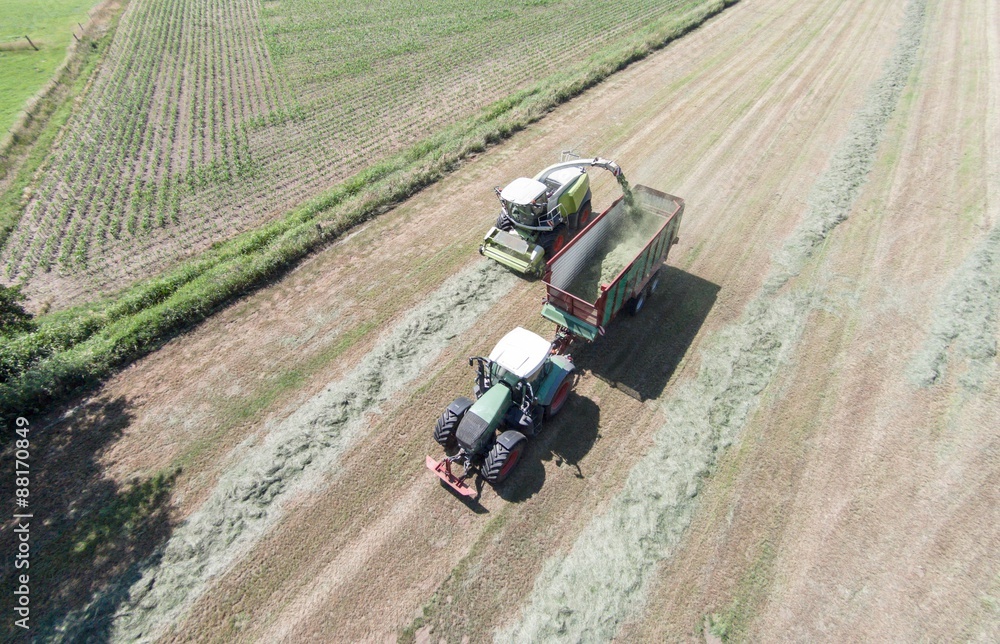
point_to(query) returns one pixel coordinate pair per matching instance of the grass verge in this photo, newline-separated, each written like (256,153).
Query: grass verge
(53,27)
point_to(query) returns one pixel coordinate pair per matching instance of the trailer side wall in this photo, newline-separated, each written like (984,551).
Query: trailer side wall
(580,254)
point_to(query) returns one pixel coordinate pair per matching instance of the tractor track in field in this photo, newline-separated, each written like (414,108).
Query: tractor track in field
(753,448)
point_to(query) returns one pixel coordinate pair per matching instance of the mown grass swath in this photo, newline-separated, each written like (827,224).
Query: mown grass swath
(80,345)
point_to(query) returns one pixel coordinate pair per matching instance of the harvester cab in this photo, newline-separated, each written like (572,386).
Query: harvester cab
(524,201)
(539,216)
(520,384)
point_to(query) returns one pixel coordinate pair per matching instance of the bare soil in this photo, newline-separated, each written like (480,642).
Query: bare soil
(830,492)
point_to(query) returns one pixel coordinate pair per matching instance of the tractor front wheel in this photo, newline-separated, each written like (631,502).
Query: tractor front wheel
(503,222)
(445,428)
(502,458)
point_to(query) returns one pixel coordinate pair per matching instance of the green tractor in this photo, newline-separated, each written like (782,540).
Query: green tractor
(539,216)
(521,384)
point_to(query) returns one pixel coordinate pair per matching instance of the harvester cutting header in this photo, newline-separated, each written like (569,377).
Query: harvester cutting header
(539,216)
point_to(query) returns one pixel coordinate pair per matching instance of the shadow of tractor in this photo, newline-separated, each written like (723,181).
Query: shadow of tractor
(566,439)
(637,356)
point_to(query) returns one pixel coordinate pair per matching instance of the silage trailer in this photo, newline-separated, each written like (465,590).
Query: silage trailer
(585,317)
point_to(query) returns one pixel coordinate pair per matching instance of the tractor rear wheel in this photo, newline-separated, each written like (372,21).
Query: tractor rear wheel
(558,400)
(501,460)
(445,428)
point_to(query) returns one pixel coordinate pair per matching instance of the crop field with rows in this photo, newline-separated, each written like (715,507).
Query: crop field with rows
(206,119)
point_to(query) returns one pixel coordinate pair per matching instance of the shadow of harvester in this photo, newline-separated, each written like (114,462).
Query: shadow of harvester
(638,355)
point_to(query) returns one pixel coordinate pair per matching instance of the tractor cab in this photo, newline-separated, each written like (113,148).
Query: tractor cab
(538,204)
(520,355)
(507,386)
(518,361)
(540,215)
(519,385)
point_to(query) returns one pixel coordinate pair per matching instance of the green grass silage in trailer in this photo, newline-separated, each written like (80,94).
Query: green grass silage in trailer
(630,235)
(23,71)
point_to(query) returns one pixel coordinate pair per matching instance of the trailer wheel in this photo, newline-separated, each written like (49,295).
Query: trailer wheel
(445,428)
(558,400)
(654,283)
(636,303)
(501,459)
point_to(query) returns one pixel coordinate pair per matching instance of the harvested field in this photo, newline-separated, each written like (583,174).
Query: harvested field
(795,439)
